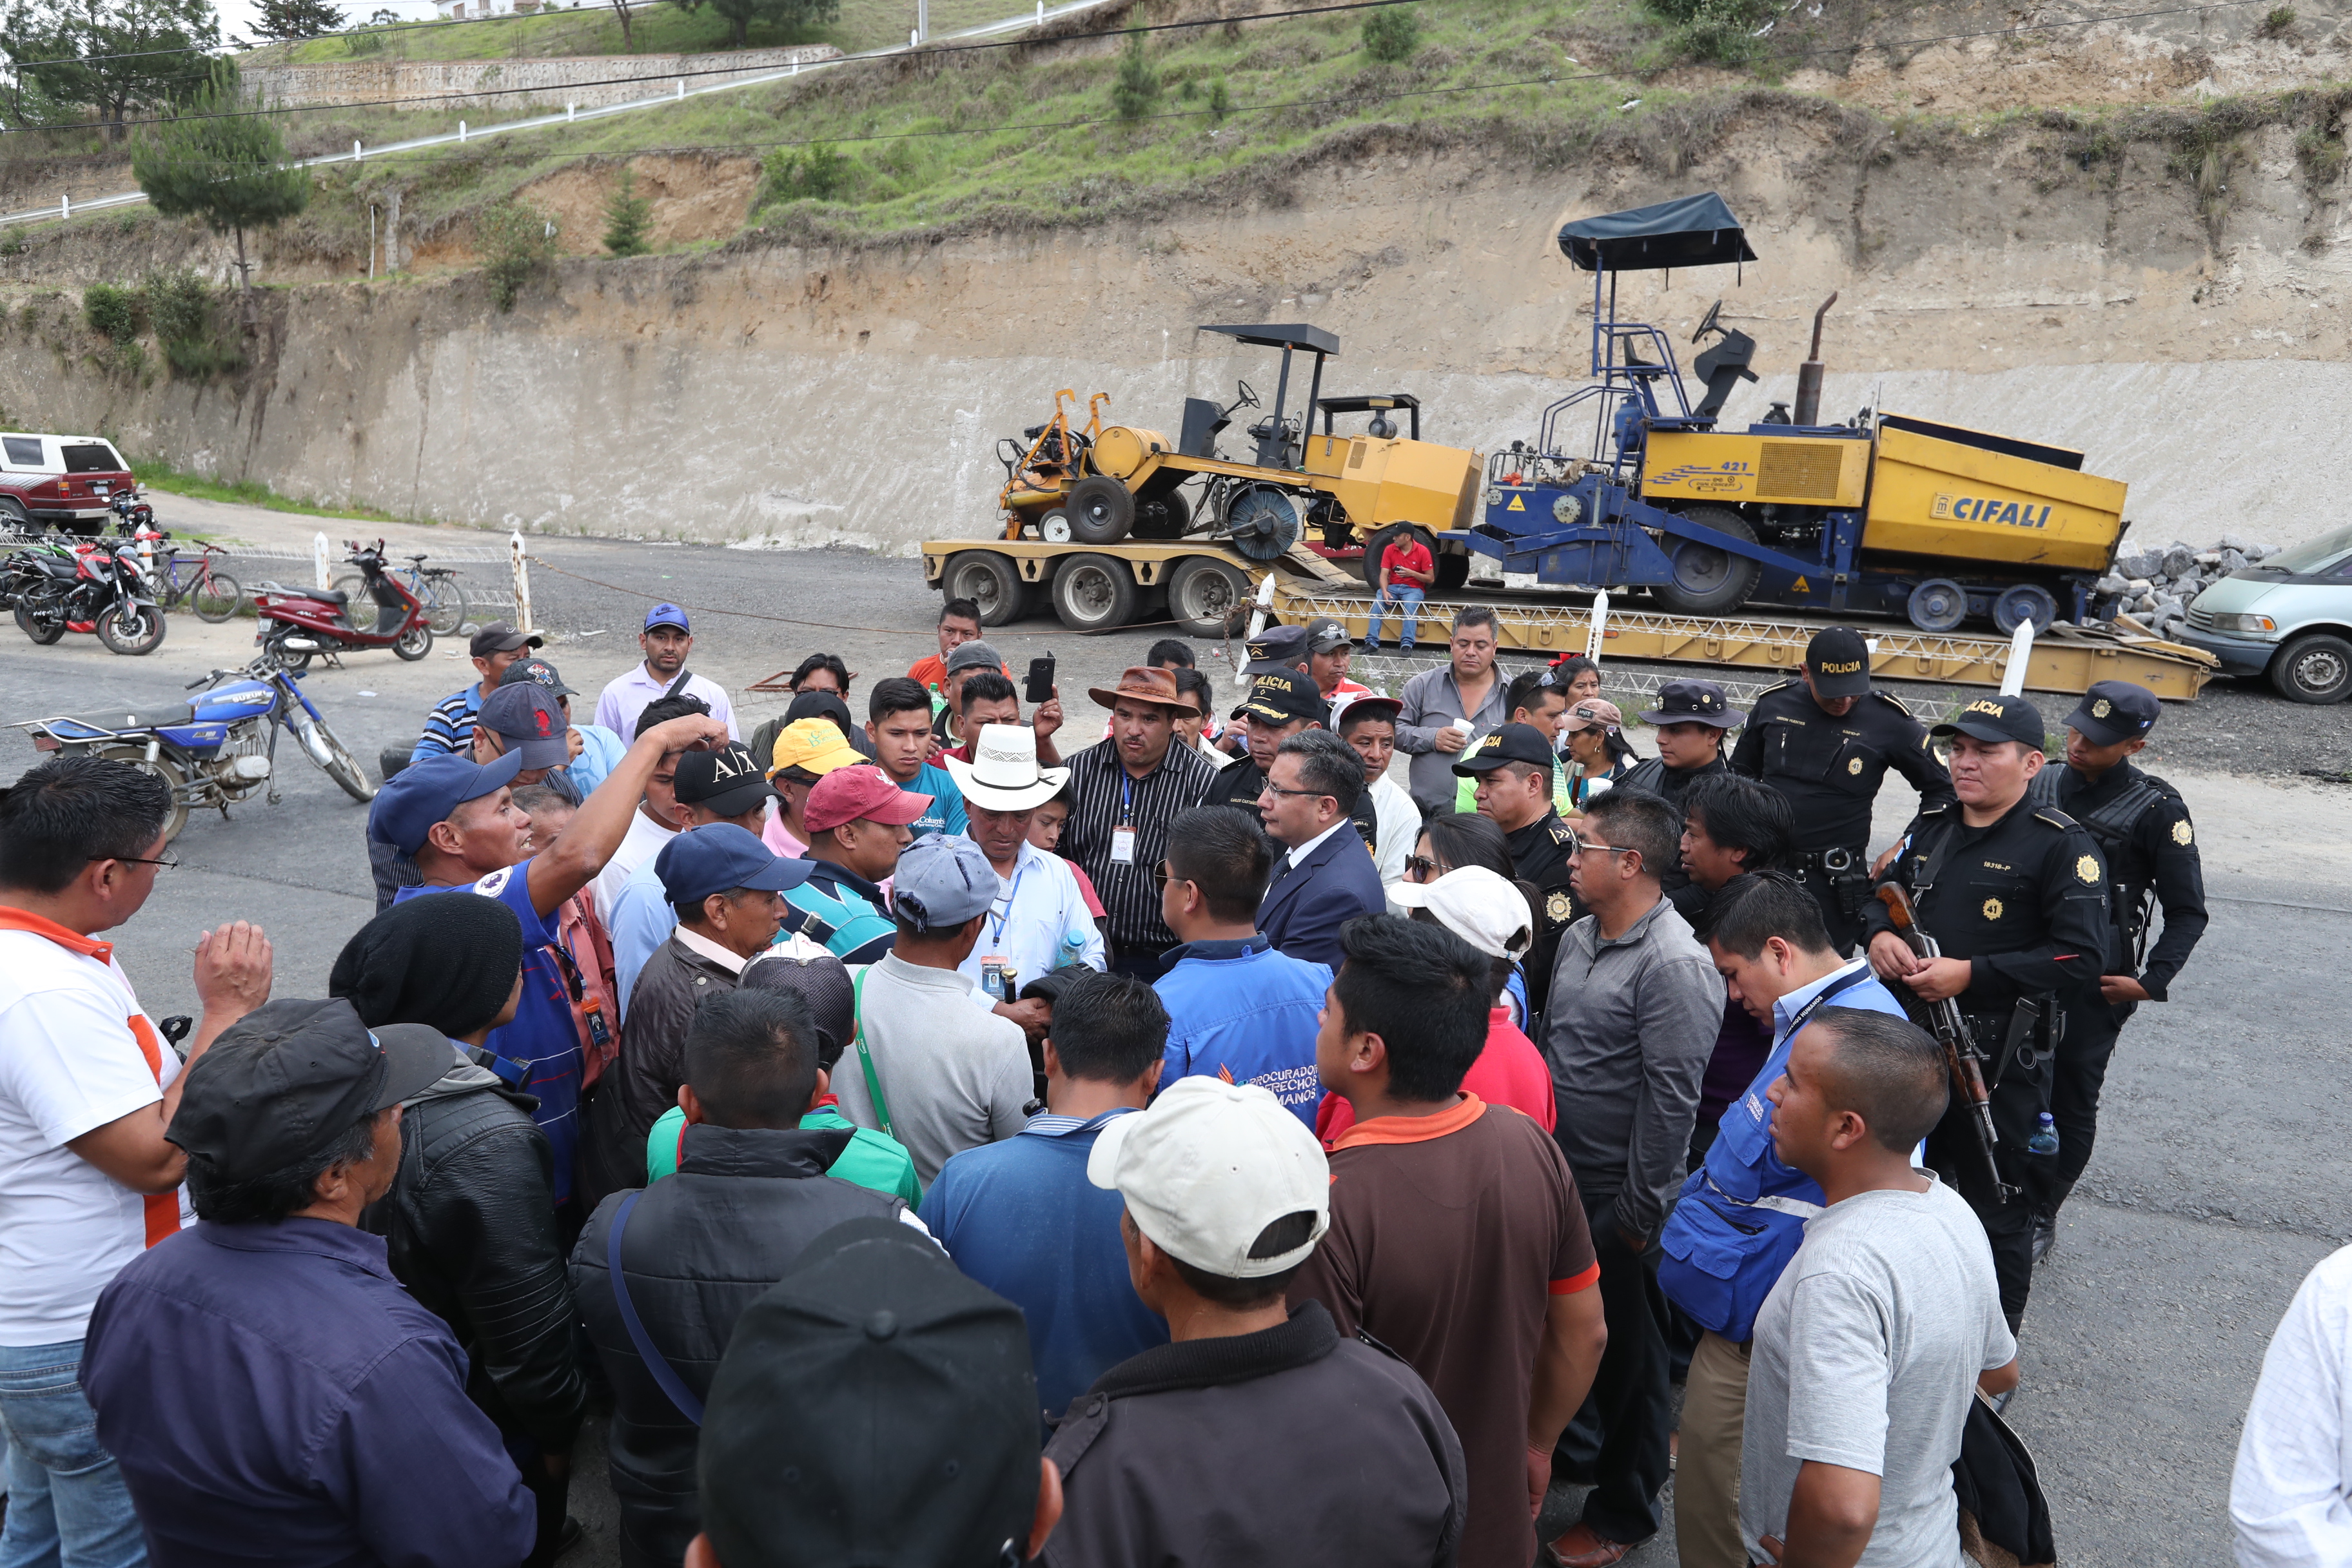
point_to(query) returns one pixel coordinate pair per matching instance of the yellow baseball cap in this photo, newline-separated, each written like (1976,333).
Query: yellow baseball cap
(816,745)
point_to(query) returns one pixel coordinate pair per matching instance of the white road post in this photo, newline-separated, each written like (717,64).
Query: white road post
(318,560)
(65,209)
(1600,628)
(2020,650)
(461,130)
(521,582)
(1260,608)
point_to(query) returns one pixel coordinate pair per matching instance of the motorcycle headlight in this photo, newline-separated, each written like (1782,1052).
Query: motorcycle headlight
(1494,495)
(1566,511)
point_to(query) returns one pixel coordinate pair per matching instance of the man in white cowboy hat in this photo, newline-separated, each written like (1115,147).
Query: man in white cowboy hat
(1039,921)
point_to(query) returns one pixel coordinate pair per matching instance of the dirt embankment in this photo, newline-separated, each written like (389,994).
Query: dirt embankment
(2191,343)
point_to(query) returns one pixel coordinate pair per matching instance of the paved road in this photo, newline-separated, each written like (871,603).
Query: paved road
(2216,1186)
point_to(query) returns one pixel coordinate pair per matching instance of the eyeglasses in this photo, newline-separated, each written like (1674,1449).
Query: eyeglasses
(1579,847)
(1161,875)
(1419,867)
(134,860)
(1271,788)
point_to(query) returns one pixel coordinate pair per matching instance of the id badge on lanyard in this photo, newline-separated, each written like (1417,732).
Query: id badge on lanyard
(1122,838)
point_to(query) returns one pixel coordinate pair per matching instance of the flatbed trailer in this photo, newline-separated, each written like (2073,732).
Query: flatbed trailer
(1165,581)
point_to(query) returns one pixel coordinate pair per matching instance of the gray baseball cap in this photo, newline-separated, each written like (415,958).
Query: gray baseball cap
(973,655)
(942,881)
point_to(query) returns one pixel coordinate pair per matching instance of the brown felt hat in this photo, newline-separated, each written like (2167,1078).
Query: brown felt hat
(1140,684)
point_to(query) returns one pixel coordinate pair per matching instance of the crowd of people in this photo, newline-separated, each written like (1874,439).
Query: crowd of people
(938,1141)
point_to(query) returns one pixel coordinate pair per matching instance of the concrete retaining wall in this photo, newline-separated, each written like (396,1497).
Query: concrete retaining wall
(588,82)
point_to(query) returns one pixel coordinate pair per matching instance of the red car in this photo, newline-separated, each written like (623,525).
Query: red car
(59,481)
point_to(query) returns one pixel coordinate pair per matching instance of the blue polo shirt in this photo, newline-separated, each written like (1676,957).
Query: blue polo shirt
(544,1039)
(273,1395)
(1021,1218)
(1245,1012)
(945,814)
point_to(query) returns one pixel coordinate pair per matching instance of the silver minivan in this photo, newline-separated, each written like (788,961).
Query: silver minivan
(2289,618)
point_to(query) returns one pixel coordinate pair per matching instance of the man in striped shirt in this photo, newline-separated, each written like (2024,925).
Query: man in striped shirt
(1126,790)
(449,728)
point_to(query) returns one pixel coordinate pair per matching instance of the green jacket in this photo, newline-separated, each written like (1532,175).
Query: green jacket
(873,1160)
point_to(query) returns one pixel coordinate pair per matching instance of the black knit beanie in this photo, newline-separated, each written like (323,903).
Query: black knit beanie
(448,960)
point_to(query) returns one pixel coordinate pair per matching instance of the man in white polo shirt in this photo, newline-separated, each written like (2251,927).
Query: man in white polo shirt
(86,1087)
(667,640)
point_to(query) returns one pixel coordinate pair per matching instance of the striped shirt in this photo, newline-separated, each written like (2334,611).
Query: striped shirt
(450,726)
(1104,797)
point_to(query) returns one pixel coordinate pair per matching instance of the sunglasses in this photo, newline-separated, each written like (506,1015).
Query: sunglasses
(1419,867)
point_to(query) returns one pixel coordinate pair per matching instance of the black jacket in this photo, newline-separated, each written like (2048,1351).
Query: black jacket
(1830,768)
(1220,1451)
(642,1082)
(470,1228)
(700,1247)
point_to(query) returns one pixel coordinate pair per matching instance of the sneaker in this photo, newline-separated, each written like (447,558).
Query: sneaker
(1372,645)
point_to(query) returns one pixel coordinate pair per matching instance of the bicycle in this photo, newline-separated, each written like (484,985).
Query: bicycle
(214,595)
(435,587)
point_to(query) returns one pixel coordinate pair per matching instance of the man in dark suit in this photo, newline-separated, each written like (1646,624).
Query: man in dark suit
(1328,878)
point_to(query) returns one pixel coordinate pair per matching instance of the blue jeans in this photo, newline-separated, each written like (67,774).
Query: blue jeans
(1405,599)
(67,1506)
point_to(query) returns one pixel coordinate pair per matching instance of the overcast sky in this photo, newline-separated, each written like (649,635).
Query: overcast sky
(237,17)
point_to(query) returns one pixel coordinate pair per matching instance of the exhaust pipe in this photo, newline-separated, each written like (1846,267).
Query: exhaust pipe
(1809,374)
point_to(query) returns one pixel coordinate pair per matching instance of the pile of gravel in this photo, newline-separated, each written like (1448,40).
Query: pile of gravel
(2156,586)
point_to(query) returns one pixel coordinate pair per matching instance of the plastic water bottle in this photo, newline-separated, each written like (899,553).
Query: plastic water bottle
(1071,949)
(2045,1136)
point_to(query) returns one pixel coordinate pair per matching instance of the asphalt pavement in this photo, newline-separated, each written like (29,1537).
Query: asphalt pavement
(2214,1189)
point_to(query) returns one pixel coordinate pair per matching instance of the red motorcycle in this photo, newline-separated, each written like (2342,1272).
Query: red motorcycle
(295,624)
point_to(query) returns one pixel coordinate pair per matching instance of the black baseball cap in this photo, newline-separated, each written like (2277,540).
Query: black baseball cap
(2113,711)
(525,719)
(289,1079)
(1839,661)
(1693,702)
(1282,696)
(820,705)
(1511,743)
(875,1406)
(729,781)
(1276,648)
(1995,719)
(539,671)
(499,637)
(1325,634)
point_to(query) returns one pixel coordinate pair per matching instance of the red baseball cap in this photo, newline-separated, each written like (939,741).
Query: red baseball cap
(847,794)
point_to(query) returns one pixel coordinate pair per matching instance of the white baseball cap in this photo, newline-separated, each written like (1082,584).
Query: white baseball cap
(1479,906)
(1208,1167)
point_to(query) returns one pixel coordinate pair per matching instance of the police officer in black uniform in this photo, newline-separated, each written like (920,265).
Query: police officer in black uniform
(2150,848)
(1513,768)
(1825,740)
(1692,716)
(1281,703)
(2016,895)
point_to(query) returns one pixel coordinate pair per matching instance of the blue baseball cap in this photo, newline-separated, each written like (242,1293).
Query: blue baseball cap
(423,794)
(719,857)
(666,615)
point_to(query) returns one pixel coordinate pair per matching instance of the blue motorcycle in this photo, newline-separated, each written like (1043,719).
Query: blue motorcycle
(217,749)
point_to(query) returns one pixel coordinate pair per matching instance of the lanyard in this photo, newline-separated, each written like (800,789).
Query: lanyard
(1127,797)
(1821,999)
(996,931)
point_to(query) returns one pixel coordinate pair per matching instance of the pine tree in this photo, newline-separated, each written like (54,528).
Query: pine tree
(288,21)
(629,219)
(1138,86)
(223,167)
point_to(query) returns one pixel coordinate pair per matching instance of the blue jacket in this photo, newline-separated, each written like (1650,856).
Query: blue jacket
(1742,1214)
(1305,907)
(1242,1012)
(273,1395)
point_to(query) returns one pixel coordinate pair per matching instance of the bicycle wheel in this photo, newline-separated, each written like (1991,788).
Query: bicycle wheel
(445,605)
(214,596)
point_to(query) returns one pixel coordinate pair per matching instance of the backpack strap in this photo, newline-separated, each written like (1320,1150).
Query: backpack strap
(684,674)
(865,1057)
(664,1374)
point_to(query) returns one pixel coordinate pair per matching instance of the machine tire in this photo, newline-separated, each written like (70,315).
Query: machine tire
(2025,601)
(1164,519)
(1938,605)
(414,643)
(1707,581)
(129,629)
(1054,527)
(1093,593)
(1381,538)
(164,768)
(990,580)
(216,598)
(1102,510)
(1203,595)
(44,629)
(1453,570)
(2316,670)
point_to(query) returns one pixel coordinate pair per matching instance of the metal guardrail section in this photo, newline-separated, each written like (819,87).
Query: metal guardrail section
(63,210)
(2066,659)
(1628,688)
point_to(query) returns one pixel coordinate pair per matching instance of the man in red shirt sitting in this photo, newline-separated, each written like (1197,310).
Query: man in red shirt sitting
(1406,573)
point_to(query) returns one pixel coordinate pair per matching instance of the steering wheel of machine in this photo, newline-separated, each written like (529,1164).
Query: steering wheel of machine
(1708,324)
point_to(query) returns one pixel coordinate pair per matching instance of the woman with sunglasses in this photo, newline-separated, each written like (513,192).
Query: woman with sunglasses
(1598,754)
(1452,840)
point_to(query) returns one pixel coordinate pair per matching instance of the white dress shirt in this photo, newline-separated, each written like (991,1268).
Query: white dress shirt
(2291,1497)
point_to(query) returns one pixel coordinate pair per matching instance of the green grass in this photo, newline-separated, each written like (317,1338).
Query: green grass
(247,492)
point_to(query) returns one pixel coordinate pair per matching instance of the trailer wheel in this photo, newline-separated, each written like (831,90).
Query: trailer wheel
(1707,581)
(1939,605)
(1102,510)
(2317,669)
(2025,601)
(990,580)
(1203,595)
(1093,593)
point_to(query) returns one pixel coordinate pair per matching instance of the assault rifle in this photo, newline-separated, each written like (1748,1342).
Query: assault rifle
(1961,1056)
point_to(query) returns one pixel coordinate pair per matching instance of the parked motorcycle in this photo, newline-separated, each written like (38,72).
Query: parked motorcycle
(292,624)
(133,516)
(217,749)
(101,589)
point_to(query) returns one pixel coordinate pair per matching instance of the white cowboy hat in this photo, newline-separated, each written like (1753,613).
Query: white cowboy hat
(1004,775)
